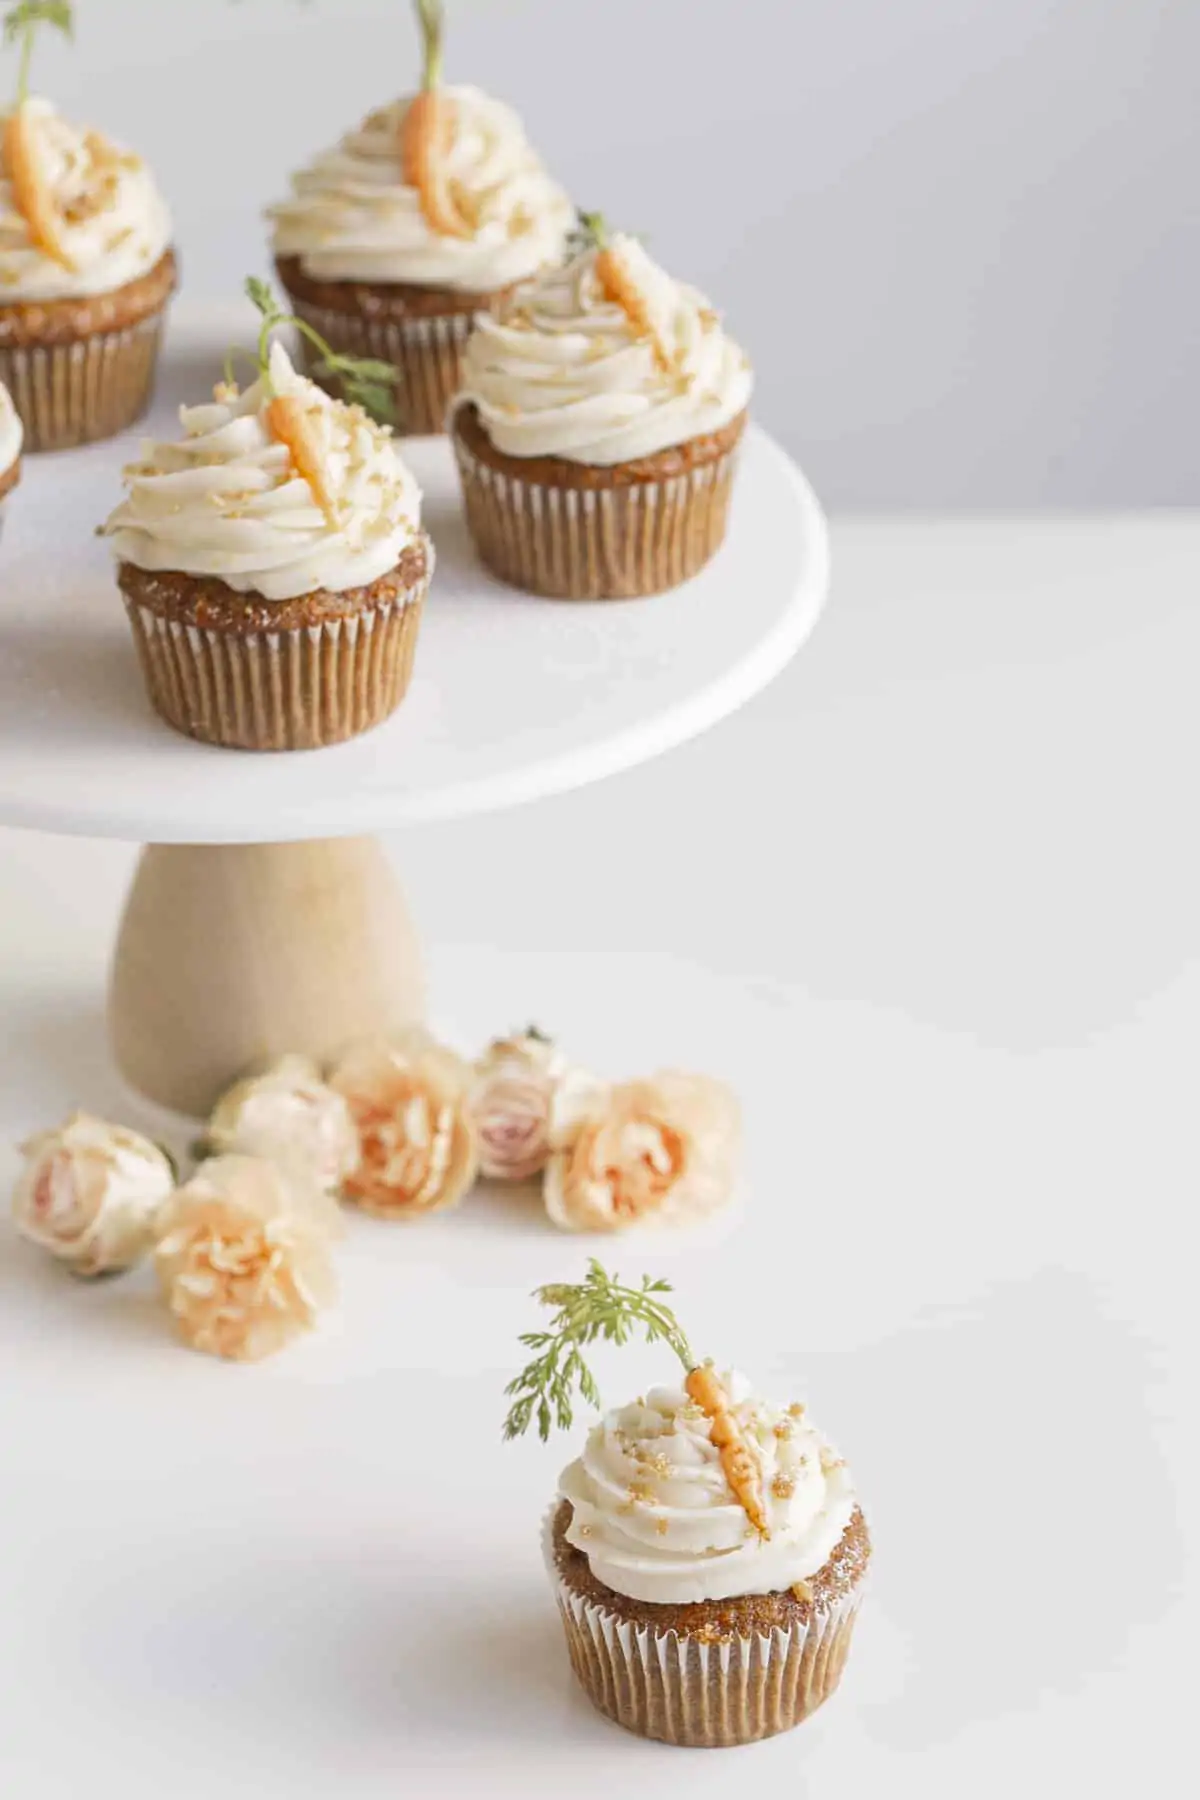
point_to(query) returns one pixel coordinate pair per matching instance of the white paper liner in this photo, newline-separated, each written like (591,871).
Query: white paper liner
(605,543)
(77,393)
(426,353)
(299,689)
(706,1696)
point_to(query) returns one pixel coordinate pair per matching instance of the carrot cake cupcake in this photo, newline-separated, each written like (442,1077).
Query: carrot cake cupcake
(86,268)
(272,561)
(598,426)
(424,216)
(11,437)
(707,1549)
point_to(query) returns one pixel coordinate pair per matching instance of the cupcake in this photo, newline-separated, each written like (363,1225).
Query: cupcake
(86,268)
(11,437)
(272,560)
(707,1549)
(426,215)
(598,426)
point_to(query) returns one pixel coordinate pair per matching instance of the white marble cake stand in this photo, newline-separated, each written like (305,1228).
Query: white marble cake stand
(262,917)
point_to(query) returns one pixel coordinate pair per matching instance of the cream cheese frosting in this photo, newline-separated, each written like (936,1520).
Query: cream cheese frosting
(110,217)
(565,371)
(12,434)
(654,1514)
(352,217)
(228,501)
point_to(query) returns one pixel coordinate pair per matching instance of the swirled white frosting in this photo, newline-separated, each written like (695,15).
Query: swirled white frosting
(228,501)
(351,216)
(12,434)
(565,371)
(112,220)
(654,1514)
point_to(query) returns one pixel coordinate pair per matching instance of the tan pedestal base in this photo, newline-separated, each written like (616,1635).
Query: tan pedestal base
(229,954)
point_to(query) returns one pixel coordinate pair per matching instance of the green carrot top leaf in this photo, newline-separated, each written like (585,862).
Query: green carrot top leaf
(363,380)
(599,1308)
(590,233)
(21,24)
(431,18)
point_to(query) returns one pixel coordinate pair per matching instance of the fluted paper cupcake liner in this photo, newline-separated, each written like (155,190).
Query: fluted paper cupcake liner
(9,480)
(703,1695)
(299,689)
(426,352)
(75,393)
(596,543)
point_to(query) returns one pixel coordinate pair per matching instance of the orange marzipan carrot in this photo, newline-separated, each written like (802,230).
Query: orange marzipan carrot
(31,193)
(426,134)
(619,286)
(288,425)
(739,1462)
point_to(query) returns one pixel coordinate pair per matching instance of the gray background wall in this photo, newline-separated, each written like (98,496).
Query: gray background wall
(960,237)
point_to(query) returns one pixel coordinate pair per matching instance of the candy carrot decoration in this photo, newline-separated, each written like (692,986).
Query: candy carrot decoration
(739,1462)
(601,1308)
(427,134)
(289,424)
(31,192)
(363,382)
(619,284)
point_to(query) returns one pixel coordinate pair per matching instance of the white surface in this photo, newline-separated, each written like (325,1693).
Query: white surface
(513,697)
(933,904)
(959,237)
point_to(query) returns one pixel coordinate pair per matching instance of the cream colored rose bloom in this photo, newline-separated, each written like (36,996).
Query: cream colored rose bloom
(515,1082)
(244,1257)
(288,1115)
(661,1151)
(90,1192)
(418,1151)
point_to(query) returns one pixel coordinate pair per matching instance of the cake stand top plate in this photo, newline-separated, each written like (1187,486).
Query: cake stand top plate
(513,697)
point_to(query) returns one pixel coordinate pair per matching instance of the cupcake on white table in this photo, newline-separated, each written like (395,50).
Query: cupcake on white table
(598,426)
(707,1547)
(11,439)
(423,216)
(86,265)
(272,559)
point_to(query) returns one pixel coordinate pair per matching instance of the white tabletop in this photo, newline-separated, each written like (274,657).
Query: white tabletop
(933,904)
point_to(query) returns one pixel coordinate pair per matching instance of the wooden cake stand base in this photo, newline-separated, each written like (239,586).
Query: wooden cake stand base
(228,955)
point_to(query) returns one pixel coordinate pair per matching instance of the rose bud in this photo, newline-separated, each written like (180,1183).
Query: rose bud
(288,1115)
(515,1082)
(90,1193)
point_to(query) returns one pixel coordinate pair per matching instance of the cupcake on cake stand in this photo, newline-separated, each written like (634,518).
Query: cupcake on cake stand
(264,916)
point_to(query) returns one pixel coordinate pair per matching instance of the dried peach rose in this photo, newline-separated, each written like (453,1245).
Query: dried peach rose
(244,1257)
(659,1151)
(288,1114)
(418,1151)
(90,1192)
(515,1082)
